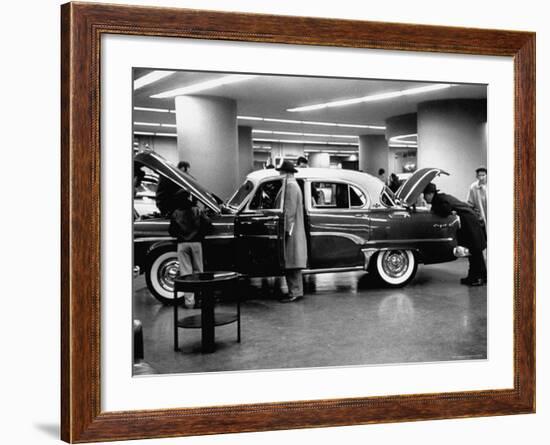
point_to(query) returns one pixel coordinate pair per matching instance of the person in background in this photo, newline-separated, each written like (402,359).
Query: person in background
(188,224)
(139,174)
(382,175)
(295,248)
(477,194)
(470,234)
(394,183)
(166,190)
(301,162)
(184,166)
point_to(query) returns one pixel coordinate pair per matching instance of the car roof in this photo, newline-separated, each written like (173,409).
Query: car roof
(369,183)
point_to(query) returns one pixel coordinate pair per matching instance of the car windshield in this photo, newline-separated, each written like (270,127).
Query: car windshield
(238,198)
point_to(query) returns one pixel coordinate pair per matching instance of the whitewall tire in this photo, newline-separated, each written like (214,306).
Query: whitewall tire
(161,270)
(396,268)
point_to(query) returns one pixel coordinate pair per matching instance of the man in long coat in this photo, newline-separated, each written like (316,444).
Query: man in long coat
(295,235)
(470,234)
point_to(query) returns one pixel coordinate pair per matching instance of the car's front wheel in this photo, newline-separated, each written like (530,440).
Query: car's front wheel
(161,270)
(395,268)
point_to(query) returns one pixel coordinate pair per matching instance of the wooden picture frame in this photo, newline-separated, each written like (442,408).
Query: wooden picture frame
(81,414)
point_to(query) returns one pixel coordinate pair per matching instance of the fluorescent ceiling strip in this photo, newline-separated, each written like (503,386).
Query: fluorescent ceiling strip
(298,122)
(154,124)
(292,141)
(405,138)
(332,152)
(202,86)
(295,133)
(155,110)
(403,145)
(150,133)
(151,78)
(370,98)
(147,124)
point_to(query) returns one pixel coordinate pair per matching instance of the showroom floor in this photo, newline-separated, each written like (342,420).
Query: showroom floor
(343,320)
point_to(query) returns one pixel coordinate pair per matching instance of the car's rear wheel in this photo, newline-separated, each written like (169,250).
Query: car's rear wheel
(161,270)
(395,268)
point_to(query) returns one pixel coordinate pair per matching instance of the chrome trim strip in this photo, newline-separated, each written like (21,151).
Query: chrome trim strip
(335,269)
(410,240)
(356,239)
(260,236)
(223,224)
(343,213)
(171,238)
(149,222)
(154,238)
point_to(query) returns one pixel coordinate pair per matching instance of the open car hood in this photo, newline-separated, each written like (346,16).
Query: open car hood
(411,189)
(161,166)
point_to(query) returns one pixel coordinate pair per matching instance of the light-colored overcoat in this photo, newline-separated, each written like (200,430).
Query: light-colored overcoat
(295,234)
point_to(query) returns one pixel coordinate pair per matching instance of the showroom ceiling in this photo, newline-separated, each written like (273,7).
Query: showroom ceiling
(268,96)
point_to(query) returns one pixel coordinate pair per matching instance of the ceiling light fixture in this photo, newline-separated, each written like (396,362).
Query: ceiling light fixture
(295,133)
(155,110)
(403,145)
(150,78)
(325,124)
(306,142)
(171,135)
(370,98)
(410,138)
(147,124)
(201,86)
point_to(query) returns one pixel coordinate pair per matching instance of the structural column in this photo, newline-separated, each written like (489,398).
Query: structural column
(207,139)
(246,153)
(373,153)
(321,160)
(451,136)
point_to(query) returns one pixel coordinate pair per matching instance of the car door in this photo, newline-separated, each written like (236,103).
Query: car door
(338,220)
(259,230)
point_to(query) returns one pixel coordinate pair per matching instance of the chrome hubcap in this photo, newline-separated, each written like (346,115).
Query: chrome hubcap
(167,273)
(395,263)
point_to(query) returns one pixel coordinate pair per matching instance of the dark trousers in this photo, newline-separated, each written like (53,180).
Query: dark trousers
(477,268)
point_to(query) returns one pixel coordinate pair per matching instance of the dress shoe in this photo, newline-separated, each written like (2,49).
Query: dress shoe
(477,282)
(289,299)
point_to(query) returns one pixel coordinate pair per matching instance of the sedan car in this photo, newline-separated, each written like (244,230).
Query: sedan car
(353,222)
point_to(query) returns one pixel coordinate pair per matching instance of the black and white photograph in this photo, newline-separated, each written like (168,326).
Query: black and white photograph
(289,222)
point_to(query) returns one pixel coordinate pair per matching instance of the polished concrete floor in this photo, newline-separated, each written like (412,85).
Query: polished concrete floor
(345,319)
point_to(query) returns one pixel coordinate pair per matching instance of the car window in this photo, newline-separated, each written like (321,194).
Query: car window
(243,191)
(329,195)
(357,198)
(267,196)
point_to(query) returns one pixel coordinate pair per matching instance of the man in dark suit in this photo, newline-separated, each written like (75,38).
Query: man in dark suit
(470,234)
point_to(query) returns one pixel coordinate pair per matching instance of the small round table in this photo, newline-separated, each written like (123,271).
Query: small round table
(205,285)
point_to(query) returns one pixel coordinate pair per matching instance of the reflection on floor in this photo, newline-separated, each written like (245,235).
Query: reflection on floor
(343,320)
